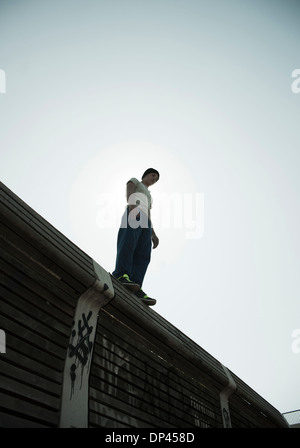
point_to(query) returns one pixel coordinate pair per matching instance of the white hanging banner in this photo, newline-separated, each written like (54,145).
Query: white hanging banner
(75,393)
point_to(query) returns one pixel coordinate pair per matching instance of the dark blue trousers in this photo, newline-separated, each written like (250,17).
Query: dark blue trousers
(133,248)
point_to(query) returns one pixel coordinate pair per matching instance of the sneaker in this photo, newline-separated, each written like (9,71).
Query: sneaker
(125,280)
(146,299)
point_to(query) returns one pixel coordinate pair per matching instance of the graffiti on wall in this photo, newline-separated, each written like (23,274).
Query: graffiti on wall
(159,392)
(80,347)
(200,409)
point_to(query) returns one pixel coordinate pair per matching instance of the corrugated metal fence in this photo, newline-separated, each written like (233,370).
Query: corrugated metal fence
(79,350)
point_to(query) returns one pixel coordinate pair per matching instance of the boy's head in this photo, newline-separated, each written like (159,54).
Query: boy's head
(150,171)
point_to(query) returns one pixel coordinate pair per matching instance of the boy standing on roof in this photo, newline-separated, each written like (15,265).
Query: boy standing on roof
(135,235)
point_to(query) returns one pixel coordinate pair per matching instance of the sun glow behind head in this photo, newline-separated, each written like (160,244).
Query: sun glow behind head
(98,200)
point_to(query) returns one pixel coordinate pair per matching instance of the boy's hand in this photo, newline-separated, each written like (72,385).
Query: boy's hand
(155,241)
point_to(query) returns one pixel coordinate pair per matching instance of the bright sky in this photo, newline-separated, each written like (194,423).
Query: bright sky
(97,91)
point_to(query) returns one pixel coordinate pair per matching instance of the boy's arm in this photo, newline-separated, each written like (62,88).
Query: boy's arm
(154,237)
(130,189)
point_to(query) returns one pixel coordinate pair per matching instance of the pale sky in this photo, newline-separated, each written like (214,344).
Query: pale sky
(97,91)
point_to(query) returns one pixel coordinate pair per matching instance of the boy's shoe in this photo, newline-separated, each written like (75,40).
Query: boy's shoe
(146,299)
(125,280)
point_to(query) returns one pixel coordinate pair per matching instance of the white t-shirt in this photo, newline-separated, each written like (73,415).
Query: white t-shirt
(142,195)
